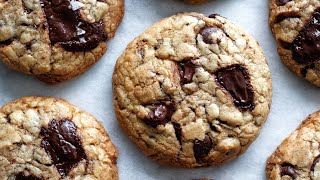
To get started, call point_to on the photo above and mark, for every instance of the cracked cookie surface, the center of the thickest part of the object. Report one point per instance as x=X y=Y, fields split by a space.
x=298 y=156
x=296 y=27
x=48 y=138
x=192 y=90
x=56 y=40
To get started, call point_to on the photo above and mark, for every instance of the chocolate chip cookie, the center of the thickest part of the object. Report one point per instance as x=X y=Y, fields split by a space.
x=48 y=138
x=192 y=90
x=56 y=40
x=296 y=27
x=298 y=156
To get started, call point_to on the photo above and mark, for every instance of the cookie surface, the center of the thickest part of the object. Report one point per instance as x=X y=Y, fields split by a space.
x=192 y=91
x=298 y=156
x=56 y=40
x=296 y=26
x=48 y=138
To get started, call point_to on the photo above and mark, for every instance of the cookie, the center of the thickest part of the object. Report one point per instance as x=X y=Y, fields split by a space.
x=56 y=40
x=298 y=156
x=48 y=138
x=195 y=1
x=192 y=90
x=296 y=25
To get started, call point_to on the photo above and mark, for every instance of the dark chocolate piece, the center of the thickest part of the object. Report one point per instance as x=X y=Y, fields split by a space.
x=6 y=42
x=22 y=176
x=61 y=142
x=306 y=46
x=315 y=162
x=202 y=148
x=186 y=71
x=235 y=79
x=206 y=32
x=282 y=2
x=160 y=114
x=67 y=29
x=288 y=170
x=178 y=131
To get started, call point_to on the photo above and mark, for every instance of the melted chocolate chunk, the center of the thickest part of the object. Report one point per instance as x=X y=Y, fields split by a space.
x=315 y=162
x=68 y=29
x=206 y=32
x=61 y=142
x=21 y=176
x=186 y=71
x=160 y=114
x=178 y=131
x=236 y=81
x=288 y=170
x=202 y=148
x=306 y=46
x=282 y=2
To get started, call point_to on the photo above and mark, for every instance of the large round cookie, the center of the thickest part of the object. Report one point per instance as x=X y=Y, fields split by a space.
x=48 y=138
x=296 y=27
x=192 y=90
x=56 y=40
x=298 y=156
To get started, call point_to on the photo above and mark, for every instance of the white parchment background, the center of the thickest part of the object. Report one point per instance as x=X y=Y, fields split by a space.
x=293 y=99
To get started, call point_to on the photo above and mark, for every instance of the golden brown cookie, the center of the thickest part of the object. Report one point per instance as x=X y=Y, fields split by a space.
x=192 y=90
x=48 y=138
x=56 y=40
x=298 y=156
x=296 y=27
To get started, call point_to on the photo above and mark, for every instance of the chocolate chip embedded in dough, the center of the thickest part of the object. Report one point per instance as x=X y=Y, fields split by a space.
x=206 y=32
x=22 y=176
x=178 y=131
x=202 y=148
x=235 y=79
x=288 y=170
x=67 y=29
x=160 y=114
x=186 y=70
x=282 y=2
x=306 y=46
x=62 y=144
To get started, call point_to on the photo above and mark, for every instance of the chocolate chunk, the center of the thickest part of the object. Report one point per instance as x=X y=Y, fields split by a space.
x=285 y=45
x=178 y=131
x=22 y=176
x=186 y=71
x=282 y=2
x=202 y=148
x=160 y=114
x=213 y=15
x=6 y=42
x=206 y=32
x=304 y=70
x=284 y=16
x=315 y=162
x=61 y=142
x=68 y=29
x=235 y=79
x=288 y=170
x=306 y=46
